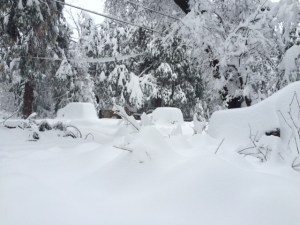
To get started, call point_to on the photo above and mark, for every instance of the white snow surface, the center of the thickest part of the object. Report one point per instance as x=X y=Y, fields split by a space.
x=235 y=126
x=117 y=176
x=78 y=110
x=167 y=115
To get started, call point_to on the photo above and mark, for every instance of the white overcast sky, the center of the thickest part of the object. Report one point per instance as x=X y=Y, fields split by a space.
x=94 y=5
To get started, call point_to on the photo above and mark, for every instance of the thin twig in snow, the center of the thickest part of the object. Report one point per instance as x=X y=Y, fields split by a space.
x=3 y=122
x=148 y=155
x=219 y=145
x=80 y=135
x=244 y=149
x=123 y=148
x=285 y=119
x=295 y=165
x=297 y=145
x=89 y=134
x=125 y=117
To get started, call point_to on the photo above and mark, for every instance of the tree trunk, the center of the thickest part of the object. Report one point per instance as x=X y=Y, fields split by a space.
x=184 y=5
x=157 y=102
x=27 y=100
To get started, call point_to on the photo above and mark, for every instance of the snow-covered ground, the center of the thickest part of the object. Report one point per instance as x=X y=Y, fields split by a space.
x=163 y=174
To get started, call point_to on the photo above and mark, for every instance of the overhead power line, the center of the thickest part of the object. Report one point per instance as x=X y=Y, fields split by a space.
x=107 y=16
x=89 y=60
x=152 y=10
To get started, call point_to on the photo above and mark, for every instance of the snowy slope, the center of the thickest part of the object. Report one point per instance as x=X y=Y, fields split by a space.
x=155 y=179
x=280 y=111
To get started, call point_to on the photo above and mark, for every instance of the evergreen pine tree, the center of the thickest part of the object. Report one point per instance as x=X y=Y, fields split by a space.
x=34 y=29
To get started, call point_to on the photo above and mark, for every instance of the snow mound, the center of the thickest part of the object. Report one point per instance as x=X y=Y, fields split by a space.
x=235 y=124
x=78 y=111
x=167 y=115
x=149 y=145
x=280 y=111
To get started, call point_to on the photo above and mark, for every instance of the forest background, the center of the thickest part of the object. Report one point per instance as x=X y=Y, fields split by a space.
x=201 y=57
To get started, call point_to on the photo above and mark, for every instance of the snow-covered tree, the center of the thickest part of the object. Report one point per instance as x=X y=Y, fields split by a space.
x=287 y=20
x=134 y=11
x=232 y=46
x=76 y=73
x=286 y=15
x=33 y=29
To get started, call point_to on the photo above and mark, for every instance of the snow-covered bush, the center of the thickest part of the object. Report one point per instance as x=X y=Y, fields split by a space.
x=167 y=115
x=78 y=111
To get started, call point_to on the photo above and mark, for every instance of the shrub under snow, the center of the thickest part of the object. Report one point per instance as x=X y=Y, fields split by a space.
x=78 y=111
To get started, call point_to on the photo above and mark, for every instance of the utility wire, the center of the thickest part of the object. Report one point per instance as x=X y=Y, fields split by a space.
x=107 y=16
x=90 y=60
x=152 y=10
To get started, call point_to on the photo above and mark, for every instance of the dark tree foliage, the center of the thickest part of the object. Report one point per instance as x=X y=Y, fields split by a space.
x=184 y=5
x=31 y=29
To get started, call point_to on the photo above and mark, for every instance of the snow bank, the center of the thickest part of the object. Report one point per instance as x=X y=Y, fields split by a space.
x=140 y=176
x=278 y=111
x=234 y=125
x=167 y=115
x=77 y=111
x=168 y=121
x=161 y=180
x=74 y=182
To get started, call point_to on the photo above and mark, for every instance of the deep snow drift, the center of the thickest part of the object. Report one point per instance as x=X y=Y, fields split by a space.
x=75 y=111
x=163 y=174
x=248 y=126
